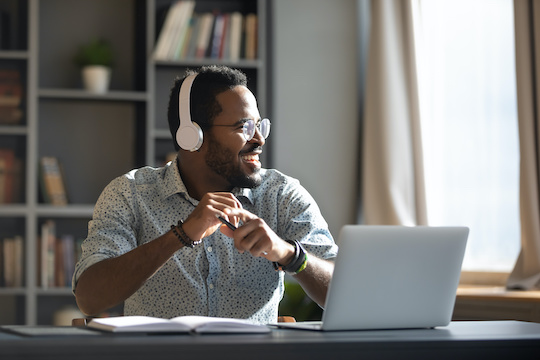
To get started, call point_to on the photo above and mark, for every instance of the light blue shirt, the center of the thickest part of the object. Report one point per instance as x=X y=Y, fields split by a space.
x=212 y=279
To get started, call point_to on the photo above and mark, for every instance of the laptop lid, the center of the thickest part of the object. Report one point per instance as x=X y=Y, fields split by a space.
x=389 y=277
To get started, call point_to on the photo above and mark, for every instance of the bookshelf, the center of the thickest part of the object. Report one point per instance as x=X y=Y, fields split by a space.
x=96 y=137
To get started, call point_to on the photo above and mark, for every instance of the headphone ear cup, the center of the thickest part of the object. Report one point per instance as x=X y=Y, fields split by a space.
x=189 y=137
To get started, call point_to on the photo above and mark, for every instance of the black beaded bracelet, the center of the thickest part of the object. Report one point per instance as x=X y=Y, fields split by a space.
x=184 y=239
x=299 y=261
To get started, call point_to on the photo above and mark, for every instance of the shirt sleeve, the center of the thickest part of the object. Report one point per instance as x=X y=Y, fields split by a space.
x=112 y=230
x=301 y=220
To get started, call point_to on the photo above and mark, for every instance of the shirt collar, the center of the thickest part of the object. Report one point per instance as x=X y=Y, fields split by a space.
x=243 y=192
x=173 y=184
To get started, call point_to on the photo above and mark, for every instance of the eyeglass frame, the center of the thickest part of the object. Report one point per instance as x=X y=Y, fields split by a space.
x=245 y=124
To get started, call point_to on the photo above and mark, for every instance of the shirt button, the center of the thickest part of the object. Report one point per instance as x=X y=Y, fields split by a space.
x=209 y=249
x=211 y=286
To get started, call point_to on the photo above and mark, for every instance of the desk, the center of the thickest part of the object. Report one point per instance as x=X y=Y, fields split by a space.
x=460 y=340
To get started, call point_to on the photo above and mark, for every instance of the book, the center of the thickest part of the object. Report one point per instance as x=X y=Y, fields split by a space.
x=219 y=26
x=12 y=260
x=251 y=37
x=235 y=36
x=9 y=176
x=204 y=35
x=188 y=40
x=8 y=252
x=180 y=324
x=3 y=179
x=58 y=278
x=11 y=93
x=65 y=260
x=18 y=261
x=224 y=44
x=47 y=254
x=52 y=181
x=193 y=37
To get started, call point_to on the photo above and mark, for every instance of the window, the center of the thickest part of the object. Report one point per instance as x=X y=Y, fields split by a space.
x=466 y=69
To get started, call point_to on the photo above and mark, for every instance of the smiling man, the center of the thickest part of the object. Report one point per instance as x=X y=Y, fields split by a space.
x=212 y=232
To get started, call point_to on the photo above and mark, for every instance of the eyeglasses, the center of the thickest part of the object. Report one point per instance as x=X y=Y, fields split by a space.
x=248 y=128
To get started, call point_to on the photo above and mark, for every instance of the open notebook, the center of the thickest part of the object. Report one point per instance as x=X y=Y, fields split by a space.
x=392 y=277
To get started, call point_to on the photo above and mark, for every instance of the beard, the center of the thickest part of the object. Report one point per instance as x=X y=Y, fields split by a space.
x=226 y=164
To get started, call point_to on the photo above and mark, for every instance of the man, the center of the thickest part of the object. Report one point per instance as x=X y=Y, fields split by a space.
x=154 y=244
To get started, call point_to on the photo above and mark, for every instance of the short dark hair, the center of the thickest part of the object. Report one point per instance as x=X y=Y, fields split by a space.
x=210 y=82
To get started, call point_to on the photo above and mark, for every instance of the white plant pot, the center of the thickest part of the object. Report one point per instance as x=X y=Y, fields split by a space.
x=96 y=78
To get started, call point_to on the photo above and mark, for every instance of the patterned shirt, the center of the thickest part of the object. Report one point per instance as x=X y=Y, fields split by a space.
x=212 y=279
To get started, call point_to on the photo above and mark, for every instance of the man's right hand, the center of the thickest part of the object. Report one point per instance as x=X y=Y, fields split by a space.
x=203 y=221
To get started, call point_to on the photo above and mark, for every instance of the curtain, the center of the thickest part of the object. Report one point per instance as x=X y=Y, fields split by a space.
x=526 y=273
x=392 y=186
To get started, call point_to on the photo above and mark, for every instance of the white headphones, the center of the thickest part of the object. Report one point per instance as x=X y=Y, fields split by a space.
x=189 y=135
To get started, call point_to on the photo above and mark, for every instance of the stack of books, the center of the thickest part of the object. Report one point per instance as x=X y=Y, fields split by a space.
x=222 y=36
x=57 y=256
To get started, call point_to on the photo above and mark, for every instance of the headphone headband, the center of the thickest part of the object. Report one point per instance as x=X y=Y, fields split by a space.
x=189 y=135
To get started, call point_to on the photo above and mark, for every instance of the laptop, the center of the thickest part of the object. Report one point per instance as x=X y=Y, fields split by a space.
x=392 y=277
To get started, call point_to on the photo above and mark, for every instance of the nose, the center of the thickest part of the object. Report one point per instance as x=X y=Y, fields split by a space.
x=257 y=137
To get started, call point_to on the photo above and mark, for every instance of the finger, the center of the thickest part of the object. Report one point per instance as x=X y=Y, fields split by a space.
x=243 y=215
x=259 y=247
x=226 y=231
x=223 y=202
x=227 y=199
x=253 y=237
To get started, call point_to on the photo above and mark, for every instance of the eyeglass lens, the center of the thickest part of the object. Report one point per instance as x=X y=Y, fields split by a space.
x=249 y=128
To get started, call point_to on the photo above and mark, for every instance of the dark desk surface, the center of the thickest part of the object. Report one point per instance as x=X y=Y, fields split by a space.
x=460 y=340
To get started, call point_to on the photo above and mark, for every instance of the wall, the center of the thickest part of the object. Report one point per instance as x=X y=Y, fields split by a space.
x=315 y=109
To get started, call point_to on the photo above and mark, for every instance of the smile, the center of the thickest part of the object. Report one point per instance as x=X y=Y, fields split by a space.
x=250 y=158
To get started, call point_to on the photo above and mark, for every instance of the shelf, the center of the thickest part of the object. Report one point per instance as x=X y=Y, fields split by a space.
x=13 y=130
x=96 y=137
x=54 y=291
x=163 y=134
x=244 y=64
x=11 y=291
x=13 y=210
x=76 y=94
x=69 y=211
x=13 y=55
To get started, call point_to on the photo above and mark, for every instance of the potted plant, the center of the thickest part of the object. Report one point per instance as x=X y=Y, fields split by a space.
x=95 y=60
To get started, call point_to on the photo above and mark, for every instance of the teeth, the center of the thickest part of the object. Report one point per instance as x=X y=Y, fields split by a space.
x=250 y=157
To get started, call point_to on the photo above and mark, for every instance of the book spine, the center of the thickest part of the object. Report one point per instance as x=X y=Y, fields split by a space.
x=251 y=37
x=216 y=39
x=18 y=263
x=50 y=245
x=11 y=92
x=11 y=262
x=54 y=189
x=9 y=253
x=235 y=38
x=7 y=176
x=204 y=35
